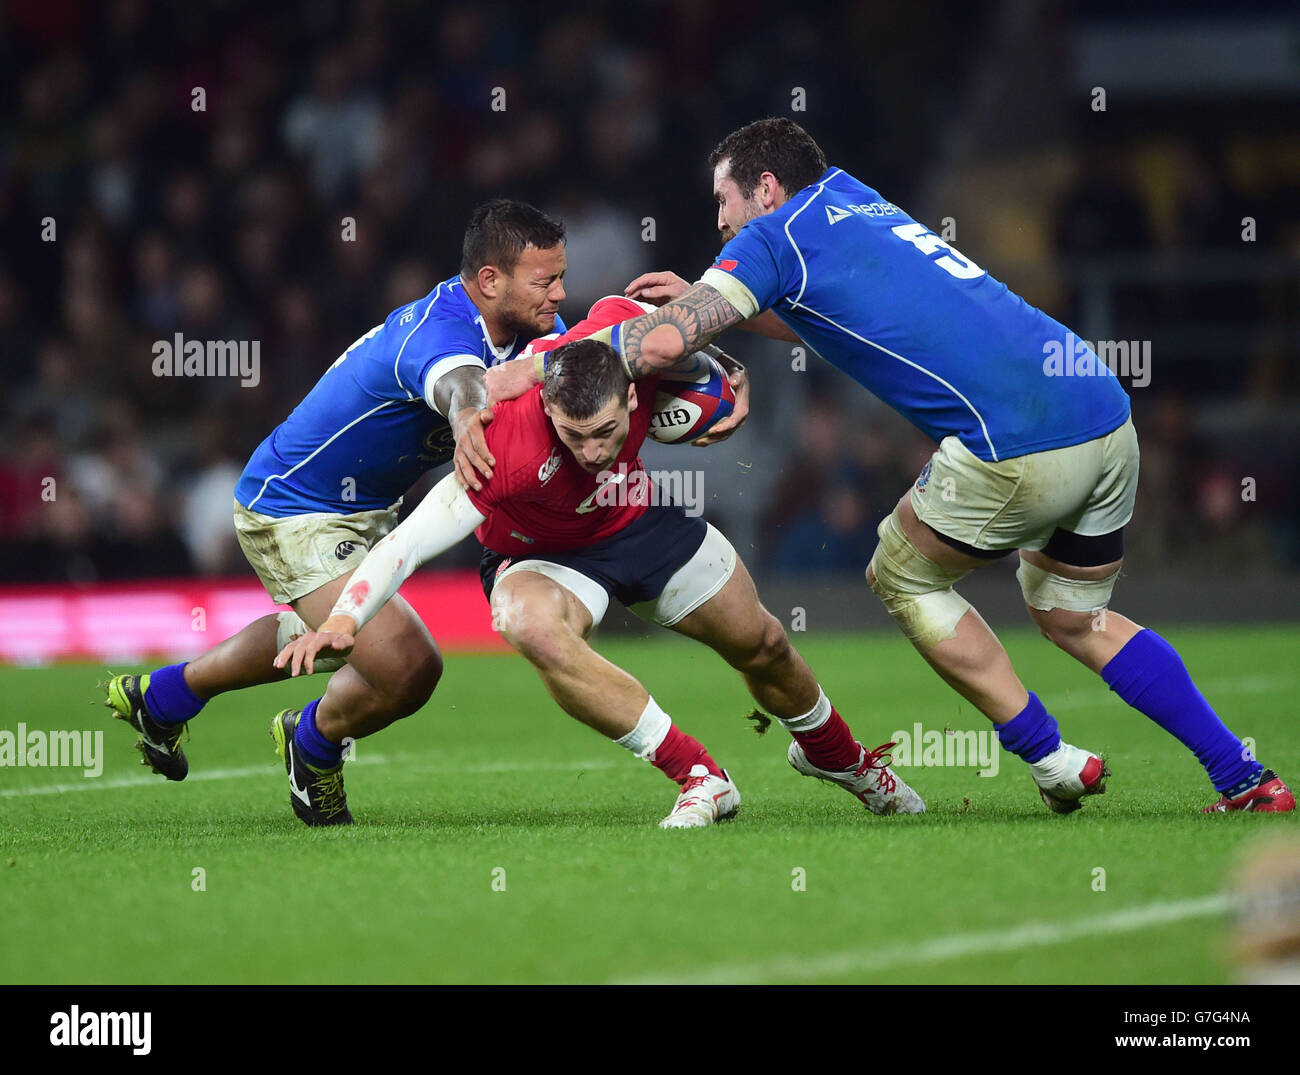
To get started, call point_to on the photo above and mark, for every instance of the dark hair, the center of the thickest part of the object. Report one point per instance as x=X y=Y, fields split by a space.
x=500 y=230
x=777 y=145
x=582 y=377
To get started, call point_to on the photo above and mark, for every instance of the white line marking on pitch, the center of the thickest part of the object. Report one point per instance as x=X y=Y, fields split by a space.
x=862 y=961
x=94 y=784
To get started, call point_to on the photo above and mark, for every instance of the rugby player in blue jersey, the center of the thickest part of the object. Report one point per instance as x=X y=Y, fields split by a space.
x=326 y=485
x=1027 y=460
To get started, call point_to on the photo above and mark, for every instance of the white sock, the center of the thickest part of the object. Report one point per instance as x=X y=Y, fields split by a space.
x=650 y=732
x=813 y=719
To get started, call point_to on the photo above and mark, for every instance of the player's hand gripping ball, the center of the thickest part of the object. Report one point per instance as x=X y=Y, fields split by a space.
x=688 y=405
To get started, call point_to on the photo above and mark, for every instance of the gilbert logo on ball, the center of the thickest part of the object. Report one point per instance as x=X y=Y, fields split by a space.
x=687 y=405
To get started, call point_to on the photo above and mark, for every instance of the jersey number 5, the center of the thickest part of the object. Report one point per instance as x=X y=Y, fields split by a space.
x=927 y=242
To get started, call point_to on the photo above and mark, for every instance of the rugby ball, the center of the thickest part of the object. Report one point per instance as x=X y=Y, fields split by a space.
x=688 y=405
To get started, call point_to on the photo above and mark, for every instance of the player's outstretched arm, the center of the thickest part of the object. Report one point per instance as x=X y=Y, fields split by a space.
x=462 y=396
x=667 y=338
x=769 y=325
x=664 y=339
x=443 y=518
x=661 y=287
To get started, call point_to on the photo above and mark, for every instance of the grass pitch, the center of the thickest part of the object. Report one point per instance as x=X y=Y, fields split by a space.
x=499 y=841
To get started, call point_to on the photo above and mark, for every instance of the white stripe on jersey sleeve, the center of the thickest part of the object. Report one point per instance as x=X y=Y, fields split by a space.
x=732 y=290
x=397 y=361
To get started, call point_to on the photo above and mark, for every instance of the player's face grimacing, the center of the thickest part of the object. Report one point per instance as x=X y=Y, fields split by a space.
x=596 y=441
x=533 y=292
x=734 y=210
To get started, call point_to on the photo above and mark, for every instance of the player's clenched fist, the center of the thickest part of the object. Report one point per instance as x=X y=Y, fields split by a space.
x=336 y=634
x=509 y=380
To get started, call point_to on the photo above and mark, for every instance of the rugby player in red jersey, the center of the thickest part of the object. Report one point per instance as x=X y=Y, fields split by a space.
x=568 y=521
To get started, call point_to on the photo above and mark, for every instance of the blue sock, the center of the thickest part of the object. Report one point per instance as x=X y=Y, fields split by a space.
x=318 y=751
x=1150 y=676
x=1032 y=733
x=169 y=697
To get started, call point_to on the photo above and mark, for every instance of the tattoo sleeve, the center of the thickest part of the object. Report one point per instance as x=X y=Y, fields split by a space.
x=461 y=388
x=699 y=315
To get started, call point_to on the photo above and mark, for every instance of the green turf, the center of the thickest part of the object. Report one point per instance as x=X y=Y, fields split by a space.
x=97 y=883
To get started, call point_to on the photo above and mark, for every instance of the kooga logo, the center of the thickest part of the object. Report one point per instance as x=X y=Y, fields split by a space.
x=76 y=1027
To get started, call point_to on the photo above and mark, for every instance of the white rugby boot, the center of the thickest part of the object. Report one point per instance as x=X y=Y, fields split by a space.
x=1066 y=775
x=872 y=782
x=704 y=799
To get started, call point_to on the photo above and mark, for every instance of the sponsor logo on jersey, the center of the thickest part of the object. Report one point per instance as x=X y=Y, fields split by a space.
x=344 y=549
x=520 y=537
x=834 y=214
x=726 y=265
x=548 y=469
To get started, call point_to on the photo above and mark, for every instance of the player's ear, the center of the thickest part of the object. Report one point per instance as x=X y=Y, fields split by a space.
x=771 y=194
x=631 y=396
x=489 y=281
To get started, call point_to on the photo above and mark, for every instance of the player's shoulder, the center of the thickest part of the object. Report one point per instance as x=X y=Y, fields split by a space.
x=519 y=437
x=445 y=311
x=519 y=428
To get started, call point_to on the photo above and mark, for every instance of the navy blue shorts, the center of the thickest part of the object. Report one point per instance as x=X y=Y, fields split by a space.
x=634 y=565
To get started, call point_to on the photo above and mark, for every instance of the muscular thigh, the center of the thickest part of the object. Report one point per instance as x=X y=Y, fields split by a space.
x=733 y=620
x=395 y=640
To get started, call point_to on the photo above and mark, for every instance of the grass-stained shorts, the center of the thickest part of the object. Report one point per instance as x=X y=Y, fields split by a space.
x=1019 y=503
x=297 y=554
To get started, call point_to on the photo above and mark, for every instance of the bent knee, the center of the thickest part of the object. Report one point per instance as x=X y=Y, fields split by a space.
x=1065 y=629
x=546 y=643
x=766 y=648
x=415 y=683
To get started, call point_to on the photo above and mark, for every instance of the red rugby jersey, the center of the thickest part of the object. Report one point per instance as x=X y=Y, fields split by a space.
x=539 y=499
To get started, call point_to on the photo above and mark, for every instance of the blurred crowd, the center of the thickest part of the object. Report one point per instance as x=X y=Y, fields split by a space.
x=289 y=173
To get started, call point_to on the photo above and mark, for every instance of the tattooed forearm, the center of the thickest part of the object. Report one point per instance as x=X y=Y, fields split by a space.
x=700 y=315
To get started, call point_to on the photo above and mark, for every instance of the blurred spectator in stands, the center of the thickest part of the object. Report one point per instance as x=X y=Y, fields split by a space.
x=17 y=334
x=63 y=392
x=807 y=470
x=116 y=464
x=335 y=126
x=32 y=458
x=836 y=535
x=156 y=303
x=207 y=494
x=1102 y=213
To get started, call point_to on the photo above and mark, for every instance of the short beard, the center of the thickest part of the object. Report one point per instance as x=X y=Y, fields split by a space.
x=522 y=325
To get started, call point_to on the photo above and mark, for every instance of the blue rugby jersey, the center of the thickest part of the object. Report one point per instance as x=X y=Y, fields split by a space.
x=917 y=323
x=368 y=429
